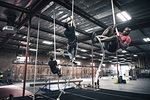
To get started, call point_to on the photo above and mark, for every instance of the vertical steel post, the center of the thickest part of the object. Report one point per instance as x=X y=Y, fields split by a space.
x=92 y=67
x=26 y=60
x=117 y=65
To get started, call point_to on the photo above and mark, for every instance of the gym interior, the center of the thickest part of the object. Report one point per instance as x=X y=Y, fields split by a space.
x=43 y=59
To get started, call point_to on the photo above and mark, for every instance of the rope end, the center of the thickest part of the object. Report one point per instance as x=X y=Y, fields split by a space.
x=58 y=99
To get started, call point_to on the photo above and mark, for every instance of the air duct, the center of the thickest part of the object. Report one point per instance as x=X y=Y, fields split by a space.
x=9 y=28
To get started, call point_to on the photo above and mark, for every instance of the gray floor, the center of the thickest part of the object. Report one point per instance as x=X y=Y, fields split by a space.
x=136 y=86
x=141 y=85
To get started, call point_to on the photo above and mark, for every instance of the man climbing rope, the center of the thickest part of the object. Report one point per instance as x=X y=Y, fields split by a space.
x=112 y=41
x=53 y=63
x=72 y=40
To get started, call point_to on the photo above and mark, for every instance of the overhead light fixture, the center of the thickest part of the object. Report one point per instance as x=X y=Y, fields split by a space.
x=83 y=50
x=77 y=33
x=91 y=55
x=45 y=8
x=115 y=57
x=101 y=54
x=121 y=17
x=124 y=51
x=10 y=27
x=22 y=27
x=83 y=57
x=47 y=42
x=22 y=47
x=24 y=37
x=32 y=49
x=135 y=55
x=104 y=65
x=78 y=63
x=112 y=65
x=93 y=64
x=77 y=55
x=21 y=58
x=146 y=39
x=58 y=61
x=25 y=43
x=124 y=16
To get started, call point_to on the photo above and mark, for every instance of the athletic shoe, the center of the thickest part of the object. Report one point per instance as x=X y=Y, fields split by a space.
x=59 y=75
x=74 y=63
x=94 y=39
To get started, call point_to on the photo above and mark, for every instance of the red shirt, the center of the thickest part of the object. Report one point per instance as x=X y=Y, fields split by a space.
x=125 y=39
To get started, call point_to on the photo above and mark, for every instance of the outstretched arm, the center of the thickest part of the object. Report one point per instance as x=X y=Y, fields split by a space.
x=73 y=22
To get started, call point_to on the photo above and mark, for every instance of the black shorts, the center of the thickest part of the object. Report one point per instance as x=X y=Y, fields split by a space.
x=55 y=70
x=111 y=46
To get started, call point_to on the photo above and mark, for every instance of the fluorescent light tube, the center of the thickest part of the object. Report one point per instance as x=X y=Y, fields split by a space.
x=83 y=50
x=47 y=42
x=32 y=49
x=126 y=15
x=121 y=17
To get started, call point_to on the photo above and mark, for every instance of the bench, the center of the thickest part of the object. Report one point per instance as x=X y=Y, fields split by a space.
x=61 y=82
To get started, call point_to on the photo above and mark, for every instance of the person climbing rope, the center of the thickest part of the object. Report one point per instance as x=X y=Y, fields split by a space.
x=53 y=63
x=112 y=42
x=72 y=40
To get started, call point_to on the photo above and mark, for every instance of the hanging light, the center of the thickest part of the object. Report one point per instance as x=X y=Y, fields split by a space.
x=124 y=16
x=47 y=42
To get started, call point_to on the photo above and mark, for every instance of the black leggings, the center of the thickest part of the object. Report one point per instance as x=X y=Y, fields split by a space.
x=111 y=46
x=73 y=47
x=55 y=70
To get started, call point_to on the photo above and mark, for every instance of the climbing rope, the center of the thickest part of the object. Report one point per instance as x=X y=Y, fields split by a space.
x=72 y=11
x=114 y=19
x=54 y=15
x=114 y=22
x=72 y=8
x=103 y=52
x=54 y=36
x=67 y=84
x=62 y=91
x=36 y=57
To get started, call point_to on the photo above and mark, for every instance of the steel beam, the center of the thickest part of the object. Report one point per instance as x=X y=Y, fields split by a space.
x=81 y=13
x=11 y=6
x=39 y=5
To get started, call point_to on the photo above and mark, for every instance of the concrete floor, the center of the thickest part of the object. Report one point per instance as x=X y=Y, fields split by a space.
x=137 y=86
